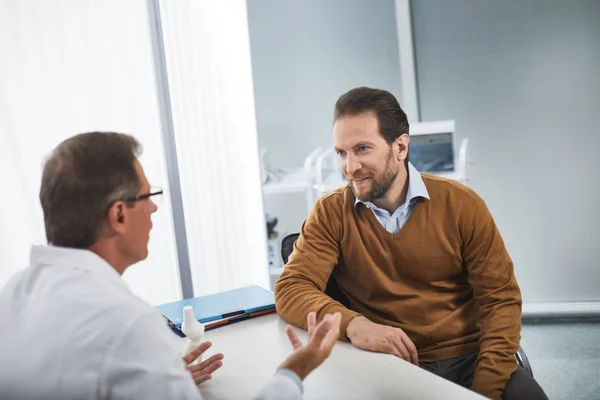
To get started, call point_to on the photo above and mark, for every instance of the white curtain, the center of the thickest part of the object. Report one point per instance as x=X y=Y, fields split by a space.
x=68 y=67
x=209 y=73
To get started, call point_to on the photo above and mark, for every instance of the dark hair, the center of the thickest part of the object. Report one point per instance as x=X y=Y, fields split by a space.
x=392 y=119
x=83 y=176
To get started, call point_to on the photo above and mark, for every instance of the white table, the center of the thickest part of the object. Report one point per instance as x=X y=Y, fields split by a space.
x=254 y=349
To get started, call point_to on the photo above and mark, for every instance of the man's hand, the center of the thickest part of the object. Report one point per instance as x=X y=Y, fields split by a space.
x=367 y=335
x=202 y=372
x=321 y=339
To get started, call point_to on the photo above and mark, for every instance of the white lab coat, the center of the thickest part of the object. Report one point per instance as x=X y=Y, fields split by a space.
x=72 y=329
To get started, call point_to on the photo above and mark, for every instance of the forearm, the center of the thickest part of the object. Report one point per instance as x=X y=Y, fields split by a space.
x=500 y=335
x=296 y=296
x=301 y=287
x=491 y=275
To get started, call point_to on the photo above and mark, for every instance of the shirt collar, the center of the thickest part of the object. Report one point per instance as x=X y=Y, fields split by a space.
x=416 y=188
x=81 y=259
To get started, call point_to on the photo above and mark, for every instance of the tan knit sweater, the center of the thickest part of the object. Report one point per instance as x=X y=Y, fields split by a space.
x=445 y=278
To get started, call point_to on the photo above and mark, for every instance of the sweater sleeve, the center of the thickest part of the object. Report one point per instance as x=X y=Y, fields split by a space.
x=301 y=287
x=494 y=285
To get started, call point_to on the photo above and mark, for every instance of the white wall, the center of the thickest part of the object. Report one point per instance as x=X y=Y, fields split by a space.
x=305 y=54
x=521 y=78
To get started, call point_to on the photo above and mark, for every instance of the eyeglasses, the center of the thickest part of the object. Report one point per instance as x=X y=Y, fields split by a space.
x=154 y=191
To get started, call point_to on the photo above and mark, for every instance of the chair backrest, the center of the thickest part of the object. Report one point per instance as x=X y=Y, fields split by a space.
x=287 y=246
x=333 y=290
x=523 y=360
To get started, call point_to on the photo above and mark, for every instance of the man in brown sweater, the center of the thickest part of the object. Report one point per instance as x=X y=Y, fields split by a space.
x=436 y=289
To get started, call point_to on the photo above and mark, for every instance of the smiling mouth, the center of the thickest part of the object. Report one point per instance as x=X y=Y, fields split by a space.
x=359 y=181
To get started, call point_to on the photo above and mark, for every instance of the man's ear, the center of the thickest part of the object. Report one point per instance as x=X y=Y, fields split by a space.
x=401 y=146
x=116 y=217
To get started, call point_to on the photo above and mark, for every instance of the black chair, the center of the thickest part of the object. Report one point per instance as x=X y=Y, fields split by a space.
x=333 y=291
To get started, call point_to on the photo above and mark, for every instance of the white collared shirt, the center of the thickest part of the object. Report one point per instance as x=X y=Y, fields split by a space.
x=394 y=222
x=72 y=329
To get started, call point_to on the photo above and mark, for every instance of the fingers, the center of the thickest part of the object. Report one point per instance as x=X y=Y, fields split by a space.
x=207 y=364
x=412 y=350
x=291 y=333
x=320 y=332
x=312 y=318
x=203 y=371
x=311 y=322
x=401 y=350
x=405 y=347
x=197 y=352
x=201 y=379
x=212 y=367
x=334 y=333
x=390 y=348
x=328 y=329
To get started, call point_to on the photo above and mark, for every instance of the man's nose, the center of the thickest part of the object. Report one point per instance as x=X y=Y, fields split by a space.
x=352 y=165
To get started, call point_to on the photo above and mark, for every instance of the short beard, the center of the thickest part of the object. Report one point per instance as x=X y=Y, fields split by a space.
x=384 y=184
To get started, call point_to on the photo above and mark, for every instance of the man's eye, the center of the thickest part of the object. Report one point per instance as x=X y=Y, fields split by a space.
x=341 y=153
x=363 y=148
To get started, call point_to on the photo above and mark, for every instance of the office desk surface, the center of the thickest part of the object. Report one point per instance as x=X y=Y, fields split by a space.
x=254 y=349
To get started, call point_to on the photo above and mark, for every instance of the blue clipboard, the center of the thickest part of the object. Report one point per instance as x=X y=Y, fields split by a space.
x=232 y=304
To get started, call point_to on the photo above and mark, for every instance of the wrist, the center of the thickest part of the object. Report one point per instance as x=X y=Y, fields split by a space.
x=351 y=328
x=298 y=363
x=299 y=370
x=293 y=376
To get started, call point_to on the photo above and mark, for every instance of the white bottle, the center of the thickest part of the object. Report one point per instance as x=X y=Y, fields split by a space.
x=194 y=331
